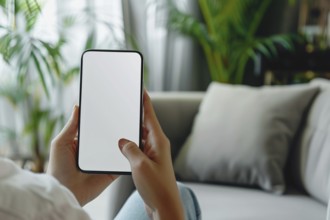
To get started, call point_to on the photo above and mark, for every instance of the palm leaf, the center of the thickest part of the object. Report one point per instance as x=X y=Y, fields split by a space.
x=40 y=72
x=49 y=129
x=13 y=93
x=44 y=64
x=31 y=10
x=5 y=41
x=188 y=25
x=3 y=3
x=90 y=41
x=70 y=74
x=229 y=11
x=69 y=21
x=54 y=56
x=228 y=35
x=257 y=18
x=238 y=77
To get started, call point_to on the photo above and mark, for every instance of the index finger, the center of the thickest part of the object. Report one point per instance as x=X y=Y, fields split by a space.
x=150 y=118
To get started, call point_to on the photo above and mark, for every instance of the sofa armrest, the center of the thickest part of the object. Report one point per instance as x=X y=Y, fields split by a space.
x=175 y=112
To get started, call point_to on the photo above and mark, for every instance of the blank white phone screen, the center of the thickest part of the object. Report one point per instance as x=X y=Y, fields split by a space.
x=110 y=108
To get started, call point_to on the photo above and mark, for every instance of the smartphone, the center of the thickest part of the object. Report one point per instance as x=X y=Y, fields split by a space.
x=110 y=108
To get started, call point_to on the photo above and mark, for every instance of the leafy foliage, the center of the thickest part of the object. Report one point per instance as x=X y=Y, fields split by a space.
x=31 y=11
x=34 y=62
x=39 y=66
x=227 y=35
x=24 y=52
x=42 y=121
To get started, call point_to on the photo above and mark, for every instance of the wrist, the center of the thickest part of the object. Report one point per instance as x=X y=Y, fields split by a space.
x=69 y=186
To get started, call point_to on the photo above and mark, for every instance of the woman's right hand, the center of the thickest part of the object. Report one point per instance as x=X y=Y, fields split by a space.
x=152 y=168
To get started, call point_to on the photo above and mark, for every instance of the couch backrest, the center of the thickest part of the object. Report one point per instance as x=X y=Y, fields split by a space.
x=176 y=112
x=314 y=146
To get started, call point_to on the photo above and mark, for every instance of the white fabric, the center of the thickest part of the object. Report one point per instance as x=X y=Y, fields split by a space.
x=314 y=145
x=237 y=203
x=25 y=195
x=328 y=215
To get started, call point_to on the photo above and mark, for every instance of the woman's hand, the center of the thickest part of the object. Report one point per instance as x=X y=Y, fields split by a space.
x=63 y=165
x=152 y=169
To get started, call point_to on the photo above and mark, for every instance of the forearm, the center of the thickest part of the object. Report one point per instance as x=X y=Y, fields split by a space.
x=169 y=208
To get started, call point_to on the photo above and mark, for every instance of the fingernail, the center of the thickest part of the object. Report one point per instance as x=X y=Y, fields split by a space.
x=122 y=142
x=75 y=107
x=73 y=111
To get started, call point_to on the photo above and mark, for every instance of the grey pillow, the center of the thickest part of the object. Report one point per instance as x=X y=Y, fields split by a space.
x=242 y=135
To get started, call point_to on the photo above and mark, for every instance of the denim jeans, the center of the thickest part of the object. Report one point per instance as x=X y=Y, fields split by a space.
x=134 y=206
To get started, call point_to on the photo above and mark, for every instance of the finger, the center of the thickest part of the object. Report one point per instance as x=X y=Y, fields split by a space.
x=75 y=141
x=150 y=118
x=144 y=132
x=70 y=129
x=131 y=151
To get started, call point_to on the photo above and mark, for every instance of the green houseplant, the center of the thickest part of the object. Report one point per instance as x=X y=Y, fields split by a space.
x=228 y=35
x=37 y=67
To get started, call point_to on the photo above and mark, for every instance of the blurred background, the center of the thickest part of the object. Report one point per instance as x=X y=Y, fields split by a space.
x=186 y=45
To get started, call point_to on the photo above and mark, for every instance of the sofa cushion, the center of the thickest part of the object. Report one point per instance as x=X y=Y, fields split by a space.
x=235 y=203
x=241 y=135
x=314 y=145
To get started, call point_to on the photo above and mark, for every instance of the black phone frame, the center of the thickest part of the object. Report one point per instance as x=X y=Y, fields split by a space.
x=80 y=94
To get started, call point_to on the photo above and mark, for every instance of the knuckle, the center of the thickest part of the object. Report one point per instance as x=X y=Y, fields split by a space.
x=129 y=147
x=166 y=142
x=54 y=142
x=141 y=164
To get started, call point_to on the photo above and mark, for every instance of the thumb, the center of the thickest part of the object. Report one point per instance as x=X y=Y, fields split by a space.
x=70 y=129
x=131 y=151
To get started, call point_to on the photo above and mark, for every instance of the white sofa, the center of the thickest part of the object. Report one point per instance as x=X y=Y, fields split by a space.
x=307 y=170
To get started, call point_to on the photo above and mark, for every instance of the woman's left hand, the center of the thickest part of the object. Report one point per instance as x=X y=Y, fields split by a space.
x=63 y=165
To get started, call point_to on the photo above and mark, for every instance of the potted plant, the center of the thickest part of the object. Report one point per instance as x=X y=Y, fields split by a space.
x=228 y=35
x=40 y=69
x=37 y=66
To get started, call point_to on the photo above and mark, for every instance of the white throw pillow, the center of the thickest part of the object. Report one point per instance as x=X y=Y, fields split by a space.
x=242 y=135
x=328 y=215
x=314 y=145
